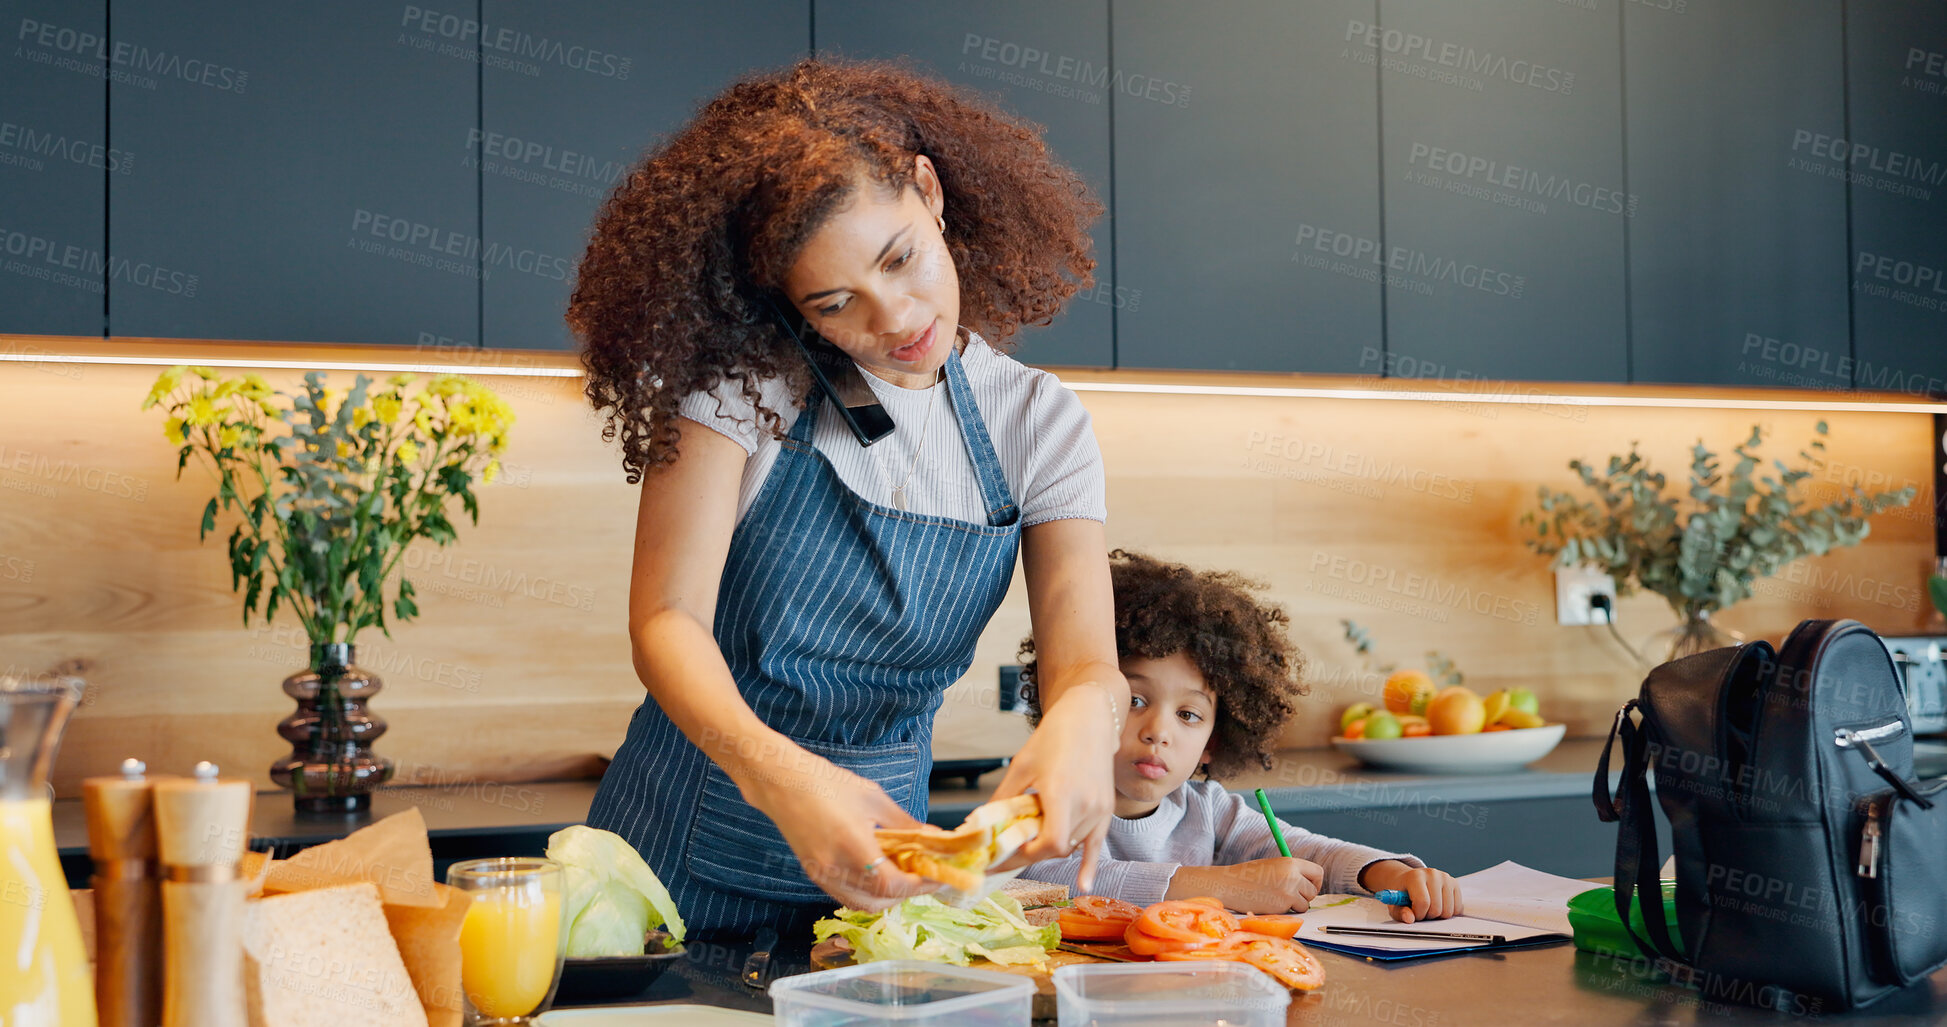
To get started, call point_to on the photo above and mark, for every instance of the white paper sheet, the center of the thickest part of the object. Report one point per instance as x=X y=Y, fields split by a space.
x=1510 y=900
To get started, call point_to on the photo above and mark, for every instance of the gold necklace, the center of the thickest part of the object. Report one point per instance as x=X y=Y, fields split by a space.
x=933 y=402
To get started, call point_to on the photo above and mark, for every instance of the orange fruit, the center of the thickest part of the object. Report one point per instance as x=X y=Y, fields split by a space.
x=1409 y=691
x=1495 y=727
x=1418 y=728
x=1356 y=729
x=1456 y=711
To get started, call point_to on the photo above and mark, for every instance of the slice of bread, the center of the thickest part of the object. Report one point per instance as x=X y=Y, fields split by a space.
x=1031 y=893
x=325 y=958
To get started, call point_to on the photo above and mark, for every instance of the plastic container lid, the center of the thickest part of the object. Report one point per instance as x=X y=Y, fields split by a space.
x=902 y=991
x=1176 y=994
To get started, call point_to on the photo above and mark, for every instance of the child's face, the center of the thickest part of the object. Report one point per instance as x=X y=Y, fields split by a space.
x=1167 y=736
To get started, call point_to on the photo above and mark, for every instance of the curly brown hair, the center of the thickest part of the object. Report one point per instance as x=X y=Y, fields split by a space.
x=1238 y=644
x=674 y=294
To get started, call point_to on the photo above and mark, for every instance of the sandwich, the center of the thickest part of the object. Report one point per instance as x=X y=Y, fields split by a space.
x=959 y=858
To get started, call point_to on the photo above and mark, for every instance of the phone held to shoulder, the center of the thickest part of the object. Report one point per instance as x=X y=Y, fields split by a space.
x=838 y=379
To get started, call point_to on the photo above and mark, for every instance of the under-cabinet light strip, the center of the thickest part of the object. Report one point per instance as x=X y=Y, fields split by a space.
x=301 y=365
x=1505 y=397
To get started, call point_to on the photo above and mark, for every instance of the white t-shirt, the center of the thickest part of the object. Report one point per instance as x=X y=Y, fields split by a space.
x=1040 y=432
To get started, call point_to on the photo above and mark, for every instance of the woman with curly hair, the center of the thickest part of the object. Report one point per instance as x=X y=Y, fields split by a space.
x=800 y=599
x=1212 y=679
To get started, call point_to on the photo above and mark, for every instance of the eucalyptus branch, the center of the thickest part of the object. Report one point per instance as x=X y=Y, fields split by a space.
x=1705 y=553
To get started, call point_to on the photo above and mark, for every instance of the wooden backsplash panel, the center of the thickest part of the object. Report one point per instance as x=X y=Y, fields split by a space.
x=1400 y=515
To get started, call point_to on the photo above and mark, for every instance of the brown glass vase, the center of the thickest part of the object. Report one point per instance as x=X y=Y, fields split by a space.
x=331 y=769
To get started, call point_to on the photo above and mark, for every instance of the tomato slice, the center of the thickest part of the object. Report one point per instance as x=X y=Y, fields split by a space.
x=1102 y=907
x=1277 y=925
x=1143 y=944
x=1086 y=928
x=1290 y=963
x=1185 y=922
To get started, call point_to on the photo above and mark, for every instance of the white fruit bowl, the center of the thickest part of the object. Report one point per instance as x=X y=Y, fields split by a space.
x=1491 y=752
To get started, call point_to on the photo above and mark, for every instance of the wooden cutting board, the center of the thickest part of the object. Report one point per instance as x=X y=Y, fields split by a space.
x=833 y=953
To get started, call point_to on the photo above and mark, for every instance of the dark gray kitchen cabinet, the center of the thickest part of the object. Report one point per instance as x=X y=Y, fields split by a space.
x=1047 y=63
x=573 y=94
x=1504 y=199
x=1896 y=162
x=1247 y=187
x=1737 y=241
x=301 y=171
x=54 y=157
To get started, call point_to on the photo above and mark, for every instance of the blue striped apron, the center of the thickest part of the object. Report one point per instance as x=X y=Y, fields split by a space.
x=843 y=622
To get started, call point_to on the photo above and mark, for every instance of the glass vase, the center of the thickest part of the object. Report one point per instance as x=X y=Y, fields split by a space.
x=1697 y=633
x=331 y=768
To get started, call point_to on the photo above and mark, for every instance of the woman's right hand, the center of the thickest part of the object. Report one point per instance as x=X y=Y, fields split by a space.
x=827 y=814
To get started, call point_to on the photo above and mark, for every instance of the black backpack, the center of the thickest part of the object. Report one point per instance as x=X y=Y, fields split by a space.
x=1811 y=872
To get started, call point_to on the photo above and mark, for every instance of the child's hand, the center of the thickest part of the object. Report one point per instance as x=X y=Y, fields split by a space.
x=1276 y=885
x=1434 y=893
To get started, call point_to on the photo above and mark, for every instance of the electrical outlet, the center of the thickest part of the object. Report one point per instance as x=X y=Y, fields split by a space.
x=1574 y=588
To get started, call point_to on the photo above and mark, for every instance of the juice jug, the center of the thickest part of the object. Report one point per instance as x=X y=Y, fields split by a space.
x=44 y=975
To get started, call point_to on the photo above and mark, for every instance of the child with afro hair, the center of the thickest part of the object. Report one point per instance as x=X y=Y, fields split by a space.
x=1212 y=679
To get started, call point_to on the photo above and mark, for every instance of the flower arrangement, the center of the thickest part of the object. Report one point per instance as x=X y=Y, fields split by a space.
x=1703 y=549
x=327 y=508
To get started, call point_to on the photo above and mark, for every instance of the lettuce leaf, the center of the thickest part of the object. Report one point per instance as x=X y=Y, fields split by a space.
x=923 y=927
x=611 y=896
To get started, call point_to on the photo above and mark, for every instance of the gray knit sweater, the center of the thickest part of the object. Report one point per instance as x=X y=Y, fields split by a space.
x=1201 y=824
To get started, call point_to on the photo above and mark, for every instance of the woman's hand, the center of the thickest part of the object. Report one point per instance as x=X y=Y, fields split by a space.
x=1070 y=762
x=1434 y=894
x=1279 y=884
x=827 y=814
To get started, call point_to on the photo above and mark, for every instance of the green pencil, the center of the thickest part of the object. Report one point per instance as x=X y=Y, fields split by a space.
x=1270 y=818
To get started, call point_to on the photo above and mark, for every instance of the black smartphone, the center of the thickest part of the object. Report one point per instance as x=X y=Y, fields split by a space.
x=838 y=378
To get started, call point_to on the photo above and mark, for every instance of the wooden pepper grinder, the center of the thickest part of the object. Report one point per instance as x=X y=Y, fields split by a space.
x=201 y=827
x=128 y=904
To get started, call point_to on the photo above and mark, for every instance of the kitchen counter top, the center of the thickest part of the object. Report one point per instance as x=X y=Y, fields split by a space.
x=1300 y=780
x=1558 y=984
x=1326 y=780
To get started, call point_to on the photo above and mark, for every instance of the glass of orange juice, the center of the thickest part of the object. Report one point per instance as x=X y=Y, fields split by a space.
x=512 y=940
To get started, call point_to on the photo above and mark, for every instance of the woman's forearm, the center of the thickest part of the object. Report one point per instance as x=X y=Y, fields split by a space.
x=1088 y=676
x=679 y=663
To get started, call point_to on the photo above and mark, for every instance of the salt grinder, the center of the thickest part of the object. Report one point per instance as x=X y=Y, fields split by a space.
x=128 y=904
x=202 y=824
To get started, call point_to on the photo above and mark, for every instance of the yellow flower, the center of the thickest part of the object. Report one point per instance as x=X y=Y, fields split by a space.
x=403 y=379
x=172 y=429
x=447 y=385
x=254 y=386
x=202 y=410
x=204 y=373
x=225 y=389
x=229 y=436
x=466 y=416
x=344 y=450
x=491 y=472
x=165 y=383
x=387 y=406
x=497 y=443
x=361 y=417
x=326 y=397
x=422 y=422
x=269 y=408
x=408 y=452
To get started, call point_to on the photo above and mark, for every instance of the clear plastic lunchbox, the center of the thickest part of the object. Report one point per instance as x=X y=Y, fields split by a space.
x=1192 y=993
x=903 y=993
